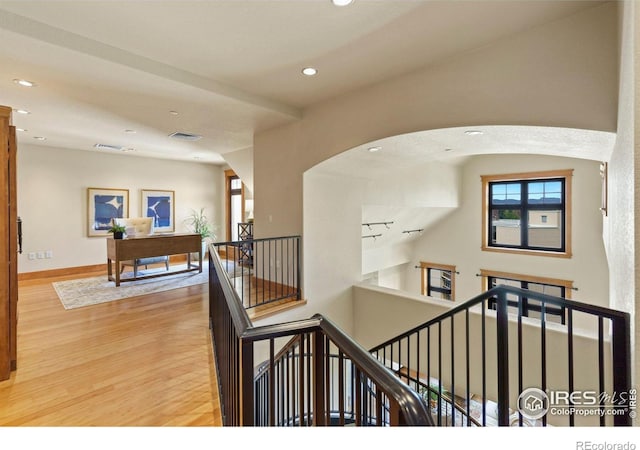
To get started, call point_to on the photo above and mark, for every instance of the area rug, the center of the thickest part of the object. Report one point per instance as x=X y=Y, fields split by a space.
x=95 y=290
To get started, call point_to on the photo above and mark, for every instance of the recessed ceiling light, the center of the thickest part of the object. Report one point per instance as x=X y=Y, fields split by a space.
x=197 y=157
x=342 y=2
x=473 y=132
x=374 y=149
x=130 y=131
x=309 y=71
x=173 y=113
x=128 y=149
x=21 y=129
x=40 y=138
x=25 y=83
x=22 y=111
x=107 y=147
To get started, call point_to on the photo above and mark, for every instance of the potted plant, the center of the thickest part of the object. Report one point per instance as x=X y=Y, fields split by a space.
x=117 y=230
x=199 y=223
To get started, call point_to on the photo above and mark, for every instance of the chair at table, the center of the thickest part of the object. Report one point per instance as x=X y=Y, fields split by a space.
x=139 y=227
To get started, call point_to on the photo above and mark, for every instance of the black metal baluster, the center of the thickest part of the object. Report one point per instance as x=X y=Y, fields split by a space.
x=327 y=381
x=468 y=363
x=502 y=322
x=417 y=383
x=543 y=352
x=439 y=374
x=520 y=359
x=408 y=360
x=483 y=341
x=453 y=375
x=601 y=368
x=341 y=388
x=309 y=382
x=272 y=384
x=429 y=369
x=570 y=361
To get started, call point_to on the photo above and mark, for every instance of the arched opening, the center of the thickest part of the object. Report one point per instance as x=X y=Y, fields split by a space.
x=374 y=212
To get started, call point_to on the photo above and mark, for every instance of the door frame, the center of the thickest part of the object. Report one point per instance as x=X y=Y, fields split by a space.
x=228 y=176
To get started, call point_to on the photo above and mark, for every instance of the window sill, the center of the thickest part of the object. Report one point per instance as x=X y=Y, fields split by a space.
x=521 y=251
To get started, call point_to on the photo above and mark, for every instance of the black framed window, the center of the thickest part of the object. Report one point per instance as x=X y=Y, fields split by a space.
x=528 y=214
x=530 y=307
x=438 y=280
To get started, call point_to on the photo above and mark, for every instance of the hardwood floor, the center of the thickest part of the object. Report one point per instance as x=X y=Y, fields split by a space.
x=143 y=361
x=254 y=295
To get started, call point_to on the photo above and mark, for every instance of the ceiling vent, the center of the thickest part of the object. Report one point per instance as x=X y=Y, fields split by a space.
x=108 y=147
x=185 y=136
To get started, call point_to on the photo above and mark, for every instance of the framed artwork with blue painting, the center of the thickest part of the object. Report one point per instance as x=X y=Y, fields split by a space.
x=160 y=206
x=103 y=205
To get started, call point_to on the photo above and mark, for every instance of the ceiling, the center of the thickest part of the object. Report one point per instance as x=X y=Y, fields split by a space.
x=110 y=72
x=456 y=145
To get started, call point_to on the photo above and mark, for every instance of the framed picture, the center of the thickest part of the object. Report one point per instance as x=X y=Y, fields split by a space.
x=104 y=204
x=159 y=205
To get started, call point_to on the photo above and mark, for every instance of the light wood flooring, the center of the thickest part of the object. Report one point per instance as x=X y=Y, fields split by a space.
x=143 y=361
x=256 y=298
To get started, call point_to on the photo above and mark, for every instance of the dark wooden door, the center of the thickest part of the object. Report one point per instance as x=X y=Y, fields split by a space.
x=8 y=246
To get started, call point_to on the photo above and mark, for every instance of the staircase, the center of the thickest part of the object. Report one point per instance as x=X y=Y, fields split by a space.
x=467 y=367
x=474 y=363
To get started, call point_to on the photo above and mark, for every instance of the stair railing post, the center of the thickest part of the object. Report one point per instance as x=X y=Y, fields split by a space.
x=246 y=383
x=621 y=347
x=502 y=329
x=298 y=269
x=318 y=379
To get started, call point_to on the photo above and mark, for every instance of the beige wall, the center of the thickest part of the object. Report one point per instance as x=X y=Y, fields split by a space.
x=241 y=161
x=52 y=198
x=621 y=226
x=560 y=74
x=456 y=240
x=371 y=306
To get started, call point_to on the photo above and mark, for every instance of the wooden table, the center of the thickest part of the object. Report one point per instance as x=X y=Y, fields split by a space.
x=119 y=250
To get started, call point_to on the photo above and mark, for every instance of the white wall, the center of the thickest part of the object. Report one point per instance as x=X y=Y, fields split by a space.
x=241 y=161
x=334 y=254
x=371 y=306
x=393 y=277
x=52 y=198
x=456 y=240
x=336 y=257
x=620 y=226
x=563 y=74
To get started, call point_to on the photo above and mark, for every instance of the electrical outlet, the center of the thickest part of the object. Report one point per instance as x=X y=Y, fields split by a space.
x=48 y=254
x=40 y=255
x=32 y=255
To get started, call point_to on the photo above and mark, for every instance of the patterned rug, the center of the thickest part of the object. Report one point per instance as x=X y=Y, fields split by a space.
x=95 y=290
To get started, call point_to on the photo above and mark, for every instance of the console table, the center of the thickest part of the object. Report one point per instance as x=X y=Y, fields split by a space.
x=148 y=246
